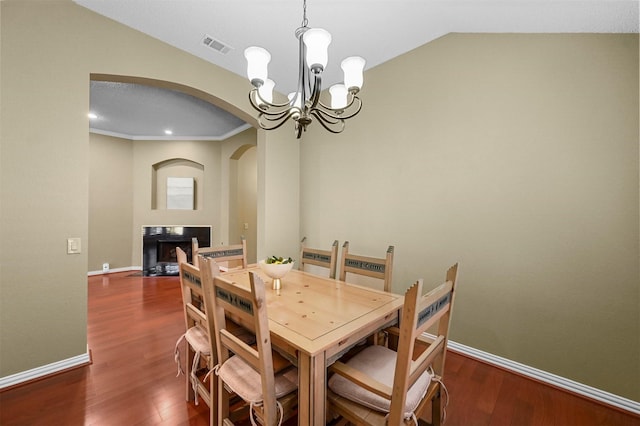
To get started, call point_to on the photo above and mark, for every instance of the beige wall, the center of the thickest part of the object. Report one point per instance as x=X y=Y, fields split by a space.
x=148 y=153
x=212 y=155
x=237 y=152
x=118 y=166
x=45 y=161
x=110 y=202
x=247 y=214
x=517 y=156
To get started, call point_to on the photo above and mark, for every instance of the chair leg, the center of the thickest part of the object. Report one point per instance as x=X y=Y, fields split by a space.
x=213 y=398
x=190 y=355
x=436 y=409
x=223 y=399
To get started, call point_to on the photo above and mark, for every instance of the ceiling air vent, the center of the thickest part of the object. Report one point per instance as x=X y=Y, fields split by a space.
x=216 y=45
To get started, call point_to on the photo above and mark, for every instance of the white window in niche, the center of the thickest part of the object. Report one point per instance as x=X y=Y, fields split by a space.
x=179 y=193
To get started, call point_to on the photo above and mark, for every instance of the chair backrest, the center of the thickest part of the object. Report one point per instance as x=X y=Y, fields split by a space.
x=419 y=314
x=181 y=255
x=374 y=267
x=195 y=311
x=324 y=258
x=237 y=252
x=250 y=307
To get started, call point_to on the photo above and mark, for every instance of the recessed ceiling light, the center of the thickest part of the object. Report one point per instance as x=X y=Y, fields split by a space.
x=92 y=115
x=168 y=132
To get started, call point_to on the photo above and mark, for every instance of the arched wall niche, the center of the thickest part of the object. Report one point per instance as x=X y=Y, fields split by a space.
x=176 y=167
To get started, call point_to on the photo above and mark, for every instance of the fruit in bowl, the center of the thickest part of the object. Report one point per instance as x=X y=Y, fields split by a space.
x=276 y=268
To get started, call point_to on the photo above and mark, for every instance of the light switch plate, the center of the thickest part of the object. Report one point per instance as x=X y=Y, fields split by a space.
x=73 y=246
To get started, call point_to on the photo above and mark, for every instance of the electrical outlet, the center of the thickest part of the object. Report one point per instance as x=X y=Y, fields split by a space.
x=105 y=267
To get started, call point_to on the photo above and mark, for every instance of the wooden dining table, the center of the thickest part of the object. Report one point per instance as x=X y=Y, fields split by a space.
x=314 y=320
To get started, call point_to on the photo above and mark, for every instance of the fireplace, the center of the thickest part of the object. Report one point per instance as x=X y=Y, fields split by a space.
x=159 y=247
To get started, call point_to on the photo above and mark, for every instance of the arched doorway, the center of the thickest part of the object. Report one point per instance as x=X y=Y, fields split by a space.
x=226 y=184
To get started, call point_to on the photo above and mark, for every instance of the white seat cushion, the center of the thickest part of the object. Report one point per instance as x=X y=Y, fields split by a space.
x=378 y=362
x=245 y=381
x=198 y=340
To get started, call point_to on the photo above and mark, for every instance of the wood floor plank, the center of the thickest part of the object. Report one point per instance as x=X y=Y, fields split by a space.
x=134 y=322
x=487 y=392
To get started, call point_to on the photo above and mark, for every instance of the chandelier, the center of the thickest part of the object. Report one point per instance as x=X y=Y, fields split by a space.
x=304 y=104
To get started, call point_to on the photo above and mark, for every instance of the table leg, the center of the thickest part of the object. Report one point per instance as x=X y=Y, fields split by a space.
x=304 y=389
x=312 y=385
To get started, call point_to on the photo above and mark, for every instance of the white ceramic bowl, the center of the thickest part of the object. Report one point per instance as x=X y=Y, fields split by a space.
x=275 y=270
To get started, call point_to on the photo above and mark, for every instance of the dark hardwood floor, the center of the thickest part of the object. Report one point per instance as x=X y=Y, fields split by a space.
x=133 y=324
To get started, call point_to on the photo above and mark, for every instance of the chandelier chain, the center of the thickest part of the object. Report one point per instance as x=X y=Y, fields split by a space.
x=304 y=14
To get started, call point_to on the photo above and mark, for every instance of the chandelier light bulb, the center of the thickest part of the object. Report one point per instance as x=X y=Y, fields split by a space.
x=338 y=96
x=353 y=68
x=316 y=41
x=257 y=61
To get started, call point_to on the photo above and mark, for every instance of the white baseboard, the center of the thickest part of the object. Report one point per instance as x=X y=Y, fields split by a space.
x=114 y=270
x=45 y=370
x=552 y=379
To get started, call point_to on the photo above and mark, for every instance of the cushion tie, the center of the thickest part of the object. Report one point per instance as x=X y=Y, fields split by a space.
x=259 y=404
x=438 y=379
x=198 y=340
x=412 y=417
x=176 y=355
x=194 y=377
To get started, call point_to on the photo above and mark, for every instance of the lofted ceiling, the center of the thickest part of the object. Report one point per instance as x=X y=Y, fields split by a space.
x=377 y=30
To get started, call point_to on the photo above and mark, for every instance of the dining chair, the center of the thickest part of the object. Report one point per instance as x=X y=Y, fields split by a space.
x=221 y=254
x=317 y=257
x=380 y=268
x=393 y=385
x=200 y=349
x=249 y=371
x=181 y=255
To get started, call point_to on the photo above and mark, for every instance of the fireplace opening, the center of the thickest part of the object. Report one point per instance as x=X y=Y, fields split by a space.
x=159 y=247
x=167 y=258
